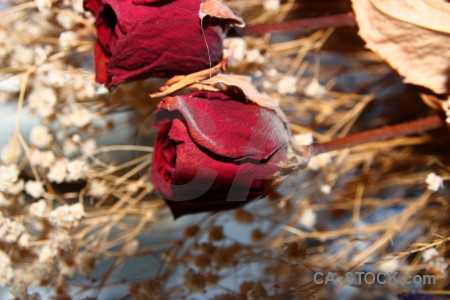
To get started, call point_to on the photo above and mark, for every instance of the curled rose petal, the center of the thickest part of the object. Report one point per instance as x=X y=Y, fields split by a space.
x=217 y=9
x=245 y=86
x=143 y=38
x=214 y=152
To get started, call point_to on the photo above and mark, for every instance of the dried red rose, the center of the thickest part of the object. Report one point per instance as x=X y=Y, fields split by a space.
x=213 y=152
x=152 y=38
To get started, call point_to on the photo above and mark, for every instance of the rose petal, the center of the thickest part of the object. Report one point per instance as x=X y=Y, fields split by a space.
x=217 y=9
x=143 y=39
x=210 y=132
x=237 y=134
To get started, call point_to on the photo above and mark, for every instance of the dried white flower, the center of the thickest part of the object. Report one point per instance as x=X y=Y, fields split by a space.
x=43 y=101
x=14 y=188
x=11 y=152
x=58 y=171
x=9 y=173
x=272 y=6
x=89 y=146
x=52 y=74
x=388 y=264
x=287 y=85
x=65 y=215
x=238 y=46
x=68 y=39
x=132 y=248
x=77 y=6
x=315 y=89
x=434 y=259
x=272 y=72
x=38 y=208
x=34 y=188
x=65 y=21
x=76 y=170
x=43 y=5
x=69 y=147
x=41 y=136
x=22 y=56
x=61 y=239
x=76 y=138
x=4 y=201
x=267 y=84
x=97 y=188
x=41 y=54
x=326 y=189
x=85 y=86
x=303 y=139
x=6 y=270
x=430 y=253
x=254 y=56
x=24 y=240
x=308 y=218
x=320 y=161
x=44 y=159
x=46 y=253
x=10 y=230
x=434 y=181
x=79 y=117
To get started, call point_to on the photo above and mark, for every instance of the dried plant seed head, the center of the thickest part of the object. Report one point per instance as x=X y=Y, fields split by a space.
x=224 y=258
x=191 y=231
x=216 y=234
x=257 y=235
x=85 y=262
x=243 y=216
x=207 y=248
x=131 y=248
x=212 y=279
x=245 y=287
x=147 y=290
x=194 y=281
x=293 y=253
x=257 y=292
x=202 y=261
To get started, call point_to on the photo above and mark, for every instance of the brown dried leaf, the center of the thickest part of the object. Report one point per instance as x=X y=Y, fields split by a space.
x=430 y=14
x=217 y=9
x=412 y=36
x=245 y=86
x=179 y=82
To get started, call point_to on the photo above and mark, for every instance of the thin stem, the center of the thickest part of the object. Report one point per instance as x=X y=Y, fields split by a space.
x=379 y=134
x=339 y=20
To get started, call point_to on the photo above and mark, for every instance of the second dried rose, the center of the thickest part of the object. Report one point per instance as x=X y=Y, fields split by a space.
x=214 y=150
x=148 y=38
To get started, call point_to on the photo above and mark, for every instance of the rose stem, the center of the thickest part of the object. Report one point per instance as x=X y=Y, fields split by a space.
x=346 y=19
x=379 y=134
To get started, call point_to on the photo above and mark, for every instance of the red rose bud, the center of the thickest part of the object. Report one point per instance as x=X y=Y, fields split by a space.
x=213 y=152
x=149 y=38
